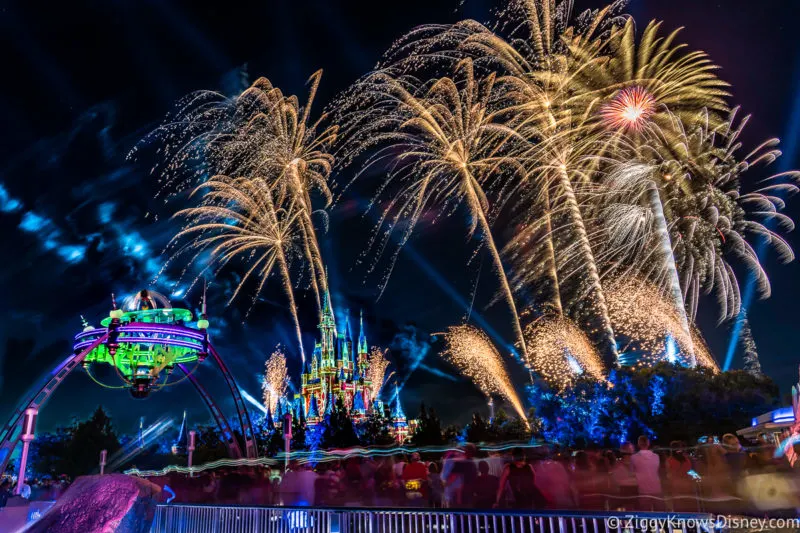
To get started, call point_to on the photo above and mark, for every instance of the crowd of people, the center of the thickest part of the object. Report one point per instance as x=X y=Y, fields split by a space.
x=44 y=489
x=706 y=477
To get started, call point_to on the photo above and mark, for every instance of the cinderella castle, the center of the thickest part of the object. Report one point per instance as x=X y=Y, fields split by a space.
x=339 y=369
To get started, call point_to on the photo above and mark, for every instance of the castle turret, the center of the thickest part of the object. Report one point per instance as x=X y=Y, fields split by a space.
x=298 y=410
x=358 y=404
x=313 y=410
x=328 y=403
x=399 y=421
x=348 y=342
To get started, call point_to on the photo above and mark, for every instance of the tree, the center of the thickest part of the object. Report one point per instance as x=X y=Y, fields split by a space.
x=89 y=438
x=298 y=433
x=477 y=431
x=653 y=402
x=429 y=428
x=375 y=430
x=209 y=445
x=275 y=443
x=337 y=428
x=49 y=450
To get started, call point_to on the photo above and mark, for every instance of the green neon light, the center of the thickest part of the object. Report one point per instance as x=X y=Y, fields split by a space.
x=153 y=316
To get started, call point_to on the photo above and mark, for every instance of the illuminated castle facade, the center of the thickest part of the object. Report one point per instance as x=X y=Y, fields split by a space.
x=339 y=370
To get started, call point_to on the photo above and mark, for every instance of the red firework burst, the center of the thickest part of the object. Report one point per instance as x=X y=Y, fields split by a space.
x=629 y=109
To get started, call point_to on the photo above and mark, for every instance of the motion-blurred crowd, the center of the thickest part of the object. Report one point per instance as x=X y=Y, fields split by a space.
x=718 y=476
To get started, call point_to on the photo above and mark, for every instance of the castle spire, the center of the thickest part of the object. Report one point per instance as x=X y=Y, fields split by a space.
x=358 y=403
x=362 y=337
x=327 y=304
x=329 y=403
x=327 y=328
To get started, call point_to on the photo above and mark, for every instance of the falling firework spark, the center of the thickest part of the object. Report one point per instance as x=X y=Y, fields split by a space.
x=276 y=379
x=444 y=147
x=694 y=190
x=238 y=219
x=259 y=134
x=638 y=183
x=559 y=351
x=471 y=351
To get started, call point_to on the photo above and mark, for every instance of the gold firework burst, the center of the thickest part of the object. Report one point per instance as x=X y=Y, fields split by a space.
x=560 y=351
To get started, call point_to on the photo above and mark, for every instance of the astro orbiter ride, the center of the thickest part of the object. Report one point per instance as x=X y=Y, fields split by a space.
x=144 y=344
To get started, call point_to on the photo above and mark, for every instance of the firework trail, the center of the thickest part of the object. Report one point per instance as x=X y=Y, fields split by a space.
x=570 y=80
x=445 y=148
x=636 y=180
x=559 y=351
x=377 y=364
x=259 y=134
x=238 y=219
x=276 y=378
x=471 y=351
x=699 y=176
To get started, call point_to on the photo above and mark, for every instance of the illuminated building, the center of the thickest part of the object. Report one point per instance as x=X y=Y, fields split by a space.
x=338 y=370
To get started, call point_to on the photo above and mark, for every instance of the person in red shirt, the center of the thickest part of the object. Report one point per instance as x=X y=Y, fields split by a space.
x=415 y=477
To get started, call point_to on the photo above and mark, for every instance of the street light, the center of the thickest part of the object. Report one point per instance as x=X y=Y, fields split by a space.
x=190 y=448
x=28 y=434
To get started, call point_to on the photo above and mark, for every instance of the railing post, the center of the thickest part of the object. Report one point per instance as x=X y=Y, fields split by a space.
x=562 y=524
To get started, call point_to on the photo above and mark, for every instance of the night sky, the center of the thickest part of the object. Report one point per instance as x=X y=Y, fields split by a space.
x=83 y=82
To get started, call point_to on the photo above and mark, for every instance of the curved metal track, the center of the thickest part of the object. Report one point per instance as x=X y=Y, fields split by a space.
x=251 y=449
x=228 y=435
x=10 y=436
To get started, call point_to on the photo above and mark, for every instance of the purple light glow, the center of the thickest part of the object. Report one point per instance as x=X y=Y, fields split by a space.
x=57 y=369
x=171 y=330
x=138 y=327
x=148 y=341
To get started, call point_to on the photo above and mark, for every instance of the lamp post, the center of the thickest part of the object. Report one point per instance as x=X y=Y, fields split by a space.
x=103 y=456
x=28 y=433
x=190 y=448
x=287 y=438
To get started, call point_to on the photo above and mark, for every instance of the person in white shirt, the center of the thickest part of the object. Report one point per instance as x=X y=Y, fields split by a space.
x=645 y=467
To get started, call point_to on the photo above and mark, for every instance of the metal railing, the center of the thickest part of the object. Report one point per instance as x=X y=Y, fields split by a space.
x=235 y=519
